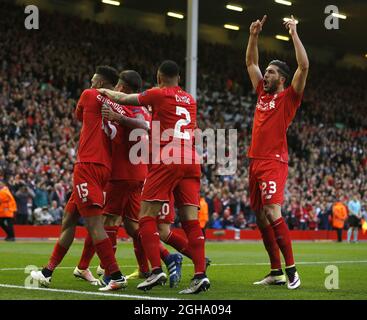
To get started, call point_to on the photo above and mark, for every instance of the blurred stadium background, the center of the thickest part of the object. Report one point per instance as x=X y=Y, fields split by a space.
x=43 y=72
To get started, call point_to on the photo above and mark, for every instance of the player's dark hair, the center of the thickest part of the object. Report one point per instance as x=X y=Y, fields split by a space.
x=108 y=73
x=283 y=69
x=169 y=68
x=132 y=79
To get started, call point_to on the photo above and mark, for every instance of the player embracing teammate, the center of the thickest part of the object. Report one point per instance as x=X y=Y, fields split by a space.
x=178 y=171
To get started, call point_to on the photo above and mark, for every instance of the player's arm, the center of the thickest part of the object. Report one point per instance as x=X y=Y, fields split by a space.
x=120 y=97
x=299 y=79
x=252 y=53
x=81 y=104
x=135 y=123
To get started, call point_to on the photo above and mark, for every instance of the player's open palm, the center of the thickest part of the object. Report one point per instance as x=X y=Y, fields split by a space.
x=291 y=25
x=256 y=26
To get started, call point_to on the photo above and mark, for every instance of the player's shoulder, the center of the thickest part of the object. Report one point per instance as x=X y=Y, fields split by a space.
x=290 y=92
x=154 y=90
x=90 y=92
x=183 y=96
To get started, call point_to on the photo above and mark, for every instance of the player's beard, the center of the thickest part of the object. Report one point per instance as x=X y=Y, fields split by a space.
x=272 y=86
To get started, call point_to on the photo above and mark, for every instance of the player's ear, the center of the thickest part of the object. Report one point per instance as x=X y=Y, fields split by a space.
x=178 y=79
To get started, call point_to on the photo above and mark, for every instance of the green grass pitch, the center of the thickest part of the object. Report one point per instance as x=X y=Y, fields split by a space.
x=234 y=267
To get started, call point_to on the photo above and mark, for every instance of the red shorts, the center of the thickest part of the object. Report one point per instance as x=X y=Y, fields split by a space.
x=123 y=197
x=89 y=182
x=267 y=179
x=167 y=213
x=70 y=207
x=183 y=180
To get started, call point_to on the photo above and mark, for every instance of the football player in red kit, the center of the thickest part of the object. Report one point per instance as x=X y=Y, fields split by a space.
x=91 y=174
x=277 y=104
x=123 y=191
x=175 y=170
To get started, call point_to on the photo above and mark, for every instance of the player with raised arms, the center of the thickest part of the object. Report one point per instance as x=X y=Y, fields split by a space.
x=278 y=101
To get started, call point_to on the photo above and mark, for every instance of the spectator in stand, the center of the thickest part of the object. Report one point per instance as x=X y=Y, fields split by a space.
x=56 y=212
x=41 y=216
x=215 y=221
x=41 y=195
x=22 y=198
x=58 y=195
x=7 y=208
x=240 y=221
x=340 y=214
x=355 y=216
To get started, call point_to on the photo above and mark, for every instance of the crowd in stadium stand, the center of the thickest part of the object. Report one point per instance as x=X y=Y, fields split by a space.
x=42 y=76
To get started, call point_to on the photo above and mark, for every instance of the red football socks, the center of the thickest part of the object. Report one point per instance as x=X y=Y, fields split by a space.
x=179 y=242
x=150 y=240
x=56 y=257
x=271 y=246
x=107 y=256
x=140 y=255
x=112 y=234
x=284 y=241
x=196 y=242
x=89 y=250
x=164 y=253
x=87 y=254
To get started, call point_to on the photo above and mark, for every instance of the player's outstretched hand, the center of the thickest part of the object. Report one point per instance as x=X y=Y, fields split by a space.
x=257 y=26
x=291 y=25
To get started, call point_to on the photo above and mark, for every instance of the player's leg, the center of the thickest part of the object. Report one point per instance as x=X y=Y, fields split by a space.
x=132 y=229
x=355 y=234
x=272 y=179
x=173 y=261
x=190 y=223
x=349 y=234
x=158 y=187
x=275 y=276
x=112 y=221
x=111 y=225
x=150 y=241
x=94 y=223
x=130 y=212
x=69 y=222
x=90 y=180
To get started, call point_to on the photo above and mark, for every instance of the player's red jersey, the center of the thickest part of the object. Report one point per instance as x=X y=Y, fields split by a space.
x=96 y=134
x=122 y=168
x=175 y=110
x=273 y=115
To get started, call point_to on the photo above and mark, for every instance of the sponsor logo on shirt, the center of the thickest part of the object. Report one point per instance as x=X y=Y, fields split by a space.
x=266 y=106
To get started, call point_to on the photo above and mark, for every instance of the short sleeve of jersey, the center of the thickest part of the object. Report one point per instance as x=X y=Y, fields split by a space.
x=259 y=88
x=82 y=103
x=149 y=97
x=294 y=97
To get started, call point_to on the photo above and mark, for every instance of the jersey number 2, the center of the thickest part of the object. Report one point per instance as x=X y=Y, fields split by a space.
x=182 y=122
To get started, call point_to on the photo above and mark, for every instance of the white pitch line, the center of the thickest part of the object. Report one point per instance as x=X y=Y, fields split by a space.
x=297 y=263
x=88 y=293
x=223 y=264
